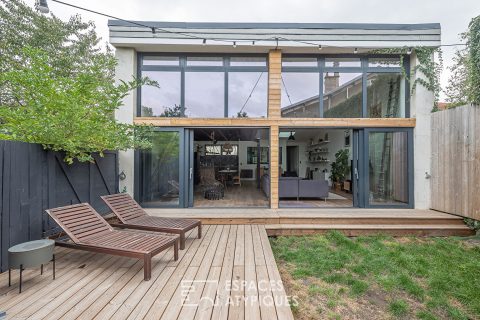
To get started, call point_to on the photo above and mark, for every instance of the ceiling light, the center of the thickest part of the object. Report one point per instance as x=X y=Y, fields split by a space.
x=355 y=50
x=319 y=47
x=291 y=137
x=204 y=42
x=409 y=51
x=234 y=44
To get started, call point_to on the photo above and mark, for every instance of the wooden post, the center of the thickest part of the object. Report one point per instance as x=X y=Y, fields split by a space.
x=274 y=112
x=274 y=83
x=274 y=163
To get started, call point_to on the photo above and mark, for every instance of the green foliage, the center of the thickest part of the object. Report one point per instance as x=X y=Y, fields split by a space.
x=340 y=167
x=172 y=112
x=398 y=308
x=57 y=86
x=464 y=82
x=241 y=114
x=426 y=72
x=473 y=224
x=438 y=274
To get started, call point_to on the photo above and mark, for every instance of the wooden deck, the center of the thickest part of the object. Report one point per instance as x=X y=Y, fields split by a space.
x=228 y=274
x=350 y=221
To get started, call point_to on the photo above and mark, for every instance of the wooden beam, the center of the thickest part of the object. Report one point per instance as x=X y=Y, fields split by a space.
x=281 y=122
x=274 y=164
x=274 y=83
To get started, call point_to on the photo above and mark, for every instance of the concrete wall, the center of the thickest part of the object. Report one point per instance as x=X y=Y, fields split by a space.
x=125 y=70
x=421 y=104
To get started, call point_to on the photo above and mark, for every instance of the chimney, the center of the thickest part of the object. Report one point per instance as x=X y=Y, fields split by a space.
x=332 y=82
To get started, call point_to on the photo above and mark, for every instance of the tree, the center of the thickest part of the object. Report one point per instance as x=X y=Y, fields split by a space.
x=57 y=86
x=172 y=112
x=464 y=83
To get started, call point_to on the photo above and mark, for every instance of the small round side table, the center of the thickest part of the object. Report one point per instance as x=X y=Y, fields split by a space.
x=30 y=254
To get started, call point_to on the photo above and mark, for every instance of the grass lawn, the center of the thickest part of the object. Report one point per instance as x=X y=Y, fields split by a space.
x=335 y=277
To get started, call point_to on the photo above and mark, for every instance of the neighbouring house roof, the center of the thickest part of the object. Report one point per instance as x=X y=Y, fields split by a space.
x=189 y=35
x=314 y=99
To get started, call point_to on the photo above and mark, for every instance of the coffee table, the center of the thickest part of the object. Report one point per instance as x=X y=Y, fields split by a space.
x=30 y=254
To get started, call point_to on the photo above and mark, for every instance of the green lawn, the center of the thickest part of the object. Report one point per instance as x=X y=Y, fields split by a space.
x=335 y=277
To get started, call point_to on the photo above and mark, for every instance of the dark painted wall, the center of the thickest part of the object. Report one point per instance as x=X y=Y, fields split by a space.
x=32 y=180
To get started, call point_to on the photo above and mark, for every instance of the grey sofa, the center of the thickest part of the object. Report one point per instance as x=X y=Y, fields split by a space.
x=294 y=187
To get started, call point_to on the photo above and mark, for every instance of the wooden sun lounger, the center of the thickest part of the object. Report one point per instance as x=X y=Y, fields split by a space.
x=89 y=231
x=132 y=216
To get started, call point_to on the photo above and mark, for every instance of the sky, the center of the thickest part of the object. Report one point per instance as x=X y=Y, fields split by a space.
x=453 y=16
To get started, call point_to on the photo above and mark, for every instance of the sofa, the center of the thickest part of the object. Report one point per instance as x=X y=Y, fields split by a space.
x=295 y=187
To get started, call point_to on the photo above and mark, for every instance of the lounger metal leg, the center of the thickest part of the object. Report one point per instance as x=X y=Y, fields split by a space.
x=20 y=286
x=9 y=277
x=175 y=250
x=182 y=241
x=53 y=261
x=41 y=269
x=199 y=231
x=147 y=267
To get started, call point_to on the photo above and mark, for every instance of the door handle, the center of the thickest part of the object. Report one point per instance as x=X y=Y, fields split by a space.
x=191 y=173
x=356 y=173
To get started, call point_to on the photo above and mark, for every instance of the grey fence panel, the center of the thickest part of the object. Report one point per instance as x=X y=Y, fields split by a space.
x=32 y=180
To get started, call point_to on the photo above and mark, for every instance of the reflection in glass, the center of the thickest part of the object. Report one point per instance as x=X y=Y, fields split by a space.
x=300 y=95
x=160 y=61
x=388 y=169
x=299 y=62
x=384 y=62
x=160 y=171
x=205 y=61
x=385 y=95
x=248 y=62
x=342 y=95
x=247 y=94
x=163 y=101
x=204 y=94
x=343 y=62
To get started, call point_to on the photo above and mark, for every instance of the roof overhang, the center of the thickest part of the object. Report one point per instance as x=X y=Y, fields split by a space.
x=289 y=37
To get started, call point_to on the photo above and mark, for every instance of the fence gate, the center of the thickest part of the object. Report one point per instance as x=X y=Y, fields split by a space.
x=32 y=180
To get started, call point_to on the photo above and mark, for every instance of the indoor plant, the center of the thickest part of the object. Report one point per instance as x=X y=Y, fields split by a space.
x=340 y=168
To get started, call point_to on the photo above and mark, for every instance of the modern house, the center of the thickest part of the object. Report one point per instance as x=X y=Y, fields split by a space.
x=255 y=114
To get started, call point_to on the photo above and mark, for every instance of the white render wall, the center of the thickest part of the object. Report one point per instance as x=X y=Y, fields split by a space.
x=421 y=105
x=125 y=70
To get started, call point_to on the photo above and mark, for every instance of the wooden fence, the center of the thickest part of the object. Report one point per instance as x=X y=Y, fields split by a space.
x=32 y=180
x=455 y=180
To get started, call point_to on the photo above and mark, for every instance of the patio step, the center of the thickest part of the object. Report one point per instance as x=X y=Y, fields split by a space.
x=353 y=230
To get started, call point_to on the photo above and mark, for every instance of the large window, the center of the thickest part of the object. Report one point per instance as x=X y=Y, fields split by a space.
x=385 y=95
x=343 y=87
x=388 y=168
x=300 y=95
x=252 y=155
x=204 y=86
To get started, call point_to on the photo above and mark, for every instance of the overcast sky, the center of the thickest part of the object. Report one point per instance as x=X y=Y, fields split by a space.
x=453 y=16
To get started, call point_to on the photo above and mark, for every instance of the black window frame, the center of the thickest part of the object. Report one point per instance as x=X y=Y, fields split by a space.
x=364 y=69
x=183 y=68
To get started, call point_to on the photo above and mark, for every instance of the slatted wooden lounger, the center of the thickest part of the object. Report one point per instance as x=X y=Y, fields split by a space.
x=89 y=231
x=131 y=215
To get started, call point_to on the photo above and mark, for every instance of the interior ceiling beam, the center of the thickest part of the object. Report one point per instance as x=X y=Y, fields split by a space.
x=282 y=122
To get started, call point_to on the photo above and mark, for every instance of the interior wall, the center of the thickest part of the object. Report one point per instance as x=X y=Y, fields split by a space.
x=337 y=142
x=242 y=153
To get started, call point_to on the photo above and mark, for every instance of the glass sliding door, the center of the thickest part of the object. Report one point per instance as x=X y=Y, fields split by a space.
x=388 y=167
x=160 y=170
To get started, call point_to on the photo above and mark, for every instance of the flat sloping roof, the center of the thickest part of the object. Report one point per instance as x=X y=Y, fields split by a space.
x=181 y=35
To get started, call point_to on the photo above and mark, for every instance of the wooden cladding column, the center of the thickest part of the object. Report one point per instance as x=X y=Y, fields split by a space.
x=274 y=165
x=274 y=95
x=274 y=83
